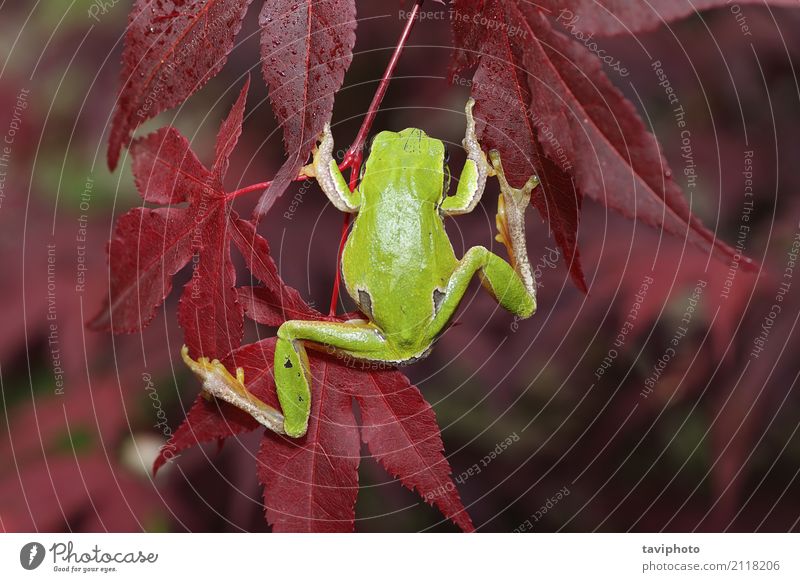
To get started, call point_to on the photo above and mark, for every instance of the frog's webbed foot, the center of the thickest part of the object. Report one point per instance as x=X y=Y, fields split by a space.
x=324 y=168
x=510 y=221
x=219 y=383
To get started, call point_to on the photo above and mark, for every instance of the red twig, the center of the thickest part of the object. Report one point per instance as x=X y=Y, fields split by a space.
x=247 y=189
x=355 y=153
x=337 y=280
x=259 y=186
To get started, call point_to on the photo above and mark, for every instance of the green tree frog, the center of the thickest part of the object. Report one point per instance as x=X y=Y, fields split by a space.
x=398 y=264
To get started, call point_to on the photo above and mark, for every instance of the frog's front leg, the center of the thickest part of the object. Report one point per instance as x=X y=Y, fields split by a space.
x=361 y=340
x=497 y=277
x=325 y=169
x=472 y=181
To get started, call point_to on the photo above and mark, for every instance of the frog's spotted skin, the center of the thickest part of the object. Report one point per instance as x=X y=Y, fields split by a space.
x=398 y=263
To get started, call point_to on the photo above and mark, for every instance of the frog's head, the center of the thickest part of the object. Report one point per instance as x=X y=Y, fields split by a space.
x=411 y=157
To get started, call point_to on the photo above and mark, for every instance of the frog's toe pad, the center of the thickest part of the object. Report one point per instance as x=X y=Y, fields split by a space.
x=296 y=431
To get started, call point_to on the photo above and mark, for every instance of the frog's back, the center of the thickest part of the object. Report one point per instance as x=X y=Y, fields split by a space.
x=398 y=259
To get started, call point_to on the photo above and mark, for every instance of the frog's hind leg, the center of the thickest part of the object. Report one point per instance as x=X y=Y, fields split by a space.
x=360 y=340
x=497 y=277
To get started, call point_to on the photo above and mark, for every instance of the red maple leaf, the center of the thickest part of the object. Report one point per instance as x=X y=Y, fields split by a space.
x=549 y=109
x=149 y=246
x=306 y=48
x=311 y=483
x=173 y=49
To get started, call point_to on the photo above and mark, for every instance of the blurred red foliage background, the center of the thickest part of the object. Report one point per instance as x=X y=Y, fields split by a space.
x=605 y=434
